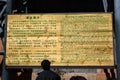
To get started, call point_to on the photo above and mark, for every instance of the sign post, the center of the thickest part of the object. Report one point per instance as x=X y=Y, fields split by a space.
x=64 y=39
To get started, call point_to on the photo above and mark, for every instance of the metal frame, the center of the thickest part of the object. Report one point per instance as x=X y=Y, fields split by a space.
x=117 y=33
x=2 y=20
x=105 y=5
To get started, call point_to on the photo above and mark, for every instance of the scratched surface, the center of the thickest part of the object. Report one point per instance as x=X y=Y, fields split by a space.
x=64 y=39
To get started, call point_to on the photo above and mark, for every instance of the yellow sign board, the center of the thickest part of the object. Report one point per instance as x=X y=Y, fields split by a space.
x=64 y=39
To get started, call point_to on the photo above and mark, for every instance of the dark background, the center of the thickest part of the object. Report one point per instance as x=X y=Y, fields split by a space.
x=58 y=6
x=37 y=6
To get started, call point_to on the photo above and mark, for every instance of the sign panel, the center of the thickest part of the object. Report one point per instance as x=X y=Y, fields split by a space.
x=64 y=39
